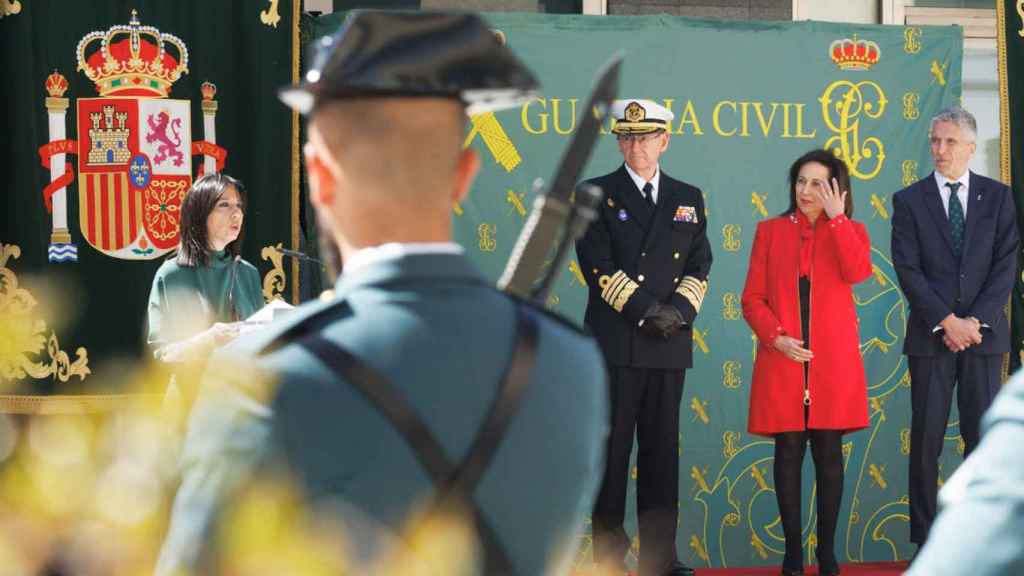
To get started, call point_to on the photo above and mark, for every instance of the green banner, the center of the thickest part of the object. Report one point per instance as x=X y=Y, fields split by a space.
x=749 y=98
x=1011 y=137
x=101 y=137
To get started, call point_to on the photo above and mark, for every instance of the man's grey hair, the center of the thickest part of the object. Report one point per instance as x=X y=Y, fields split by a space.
x=962 y=118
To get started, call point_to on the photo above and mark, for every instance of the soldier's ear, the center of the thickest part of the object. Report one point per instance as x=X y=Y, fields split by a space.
x=321 y=178
x=465 y=172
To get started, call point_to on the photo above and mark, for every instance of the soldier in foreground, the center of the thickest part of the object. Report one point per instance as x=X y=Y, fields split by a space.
x=417 y=378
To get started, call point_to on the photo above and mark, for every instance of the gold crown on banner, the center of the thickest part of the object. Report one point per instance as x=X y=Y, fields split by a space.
x=208 y=90
x=854 y=54
x=56 y=84
x=136 y=65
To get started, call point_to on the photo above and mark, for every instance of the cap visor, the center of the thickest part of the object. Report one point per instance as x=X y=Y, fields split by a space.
x=297 y=98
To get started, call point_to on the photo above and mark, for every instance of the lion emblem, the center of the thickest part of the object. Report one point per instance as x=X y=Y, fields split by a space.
x=158 y=132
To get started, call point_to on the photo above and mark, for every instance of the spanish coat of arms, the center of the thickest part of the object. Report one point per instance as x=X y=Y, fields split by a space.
x=134 y=145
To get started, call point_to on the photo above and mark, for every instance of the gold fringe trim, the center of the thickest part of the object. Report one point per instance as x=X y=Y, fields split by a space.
x=1004 y=95
x=71 y=404
x=296 y=48
x=1005 y=173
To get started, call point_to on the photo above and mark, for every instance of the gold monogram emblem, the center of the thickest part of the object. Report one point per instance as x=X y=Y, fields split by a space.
x=731 y=237
x=844 y=105
x=909 y=172
x=635 y=112
x=729 y=440
x=486 y=233
x=910 y=111
x=912 y=40
x=731 y=306
x=731 y=374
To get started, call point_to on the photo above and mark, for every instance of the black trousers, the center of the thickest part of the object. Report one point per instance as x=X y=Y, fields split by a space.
x=932 y=379
x=647 y=401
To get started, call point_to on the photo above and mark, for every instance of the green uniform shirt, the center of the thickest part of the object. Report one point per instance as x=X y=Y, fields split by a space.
x=186 y=300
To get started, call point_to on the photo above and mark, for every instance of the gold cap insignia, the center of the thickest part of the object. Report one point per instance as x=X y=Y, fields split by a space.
x=635 y=112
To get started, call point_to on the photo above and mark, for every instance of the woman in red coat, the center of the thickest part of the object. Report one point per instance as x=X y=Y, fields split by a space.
x=808 y=380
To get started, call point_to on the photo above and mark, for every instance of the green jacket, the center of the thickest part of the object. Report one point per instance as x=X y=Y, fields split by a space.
x=184 y=301
x=442 y=335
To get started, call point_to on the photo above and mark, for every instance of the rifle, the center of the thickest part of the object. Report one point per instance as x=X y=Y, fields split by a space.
x=564 y=209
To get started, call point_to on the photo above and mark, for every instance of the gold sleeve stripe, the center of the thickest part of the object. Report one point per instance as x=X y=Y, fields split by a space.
x=693 y=290
x=619 y=290
x=624 y=296
x=613 y=285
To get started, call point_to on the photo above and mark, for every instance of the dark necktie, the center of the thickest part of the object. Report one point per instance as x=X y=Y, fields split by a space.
x=649 y=195
x=956 y=218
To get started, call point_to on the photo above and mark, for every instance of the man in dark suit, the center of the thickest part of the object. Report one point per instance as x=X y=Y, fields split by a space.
x=417 y=379
x=646 y=259
x=954 y=247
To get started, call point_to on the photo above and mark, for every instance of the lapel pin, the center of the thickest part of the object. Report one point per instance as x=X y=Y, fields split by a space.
x=623 y=215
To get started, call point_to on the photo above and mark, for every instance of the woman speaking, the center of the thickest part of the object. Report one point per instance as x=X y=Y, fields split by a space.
x=808 y=382
x=198 y=296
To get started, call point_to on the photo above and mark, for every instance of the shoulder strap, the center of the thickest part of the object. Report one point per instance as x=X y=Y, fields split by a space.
x=454 y=484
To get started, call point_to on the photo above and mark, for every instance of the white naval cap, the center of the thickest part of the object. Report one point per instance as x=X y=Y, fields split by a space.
x=640 y=116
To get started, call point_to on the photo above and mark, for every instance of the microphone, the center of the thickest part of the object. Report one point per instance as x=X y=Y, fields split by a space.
x=297 y=254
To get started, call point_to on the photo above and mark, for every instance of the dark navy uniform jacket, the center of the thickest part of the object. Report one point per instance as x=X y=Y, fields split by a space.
x=632 y=259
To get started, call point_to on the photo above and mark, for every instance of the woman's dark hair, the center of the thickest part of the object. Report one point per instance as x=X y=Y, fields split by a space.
x=836 y=169
x=201 y=199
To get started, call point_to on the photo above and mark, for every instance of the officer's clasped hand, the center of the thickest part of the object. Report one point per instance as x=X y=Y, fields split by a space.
x=662 y=321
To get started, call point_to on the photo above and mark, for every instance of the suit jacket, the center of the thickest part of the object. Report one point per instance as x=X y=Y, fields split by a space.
x=978 y=530
x=443 y=336
x=771 y=305
x=633 y=258
x=935 y=283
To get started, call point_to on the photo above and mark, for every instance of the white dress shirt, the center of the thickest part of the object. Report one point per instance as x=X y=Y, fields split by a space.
x=962 y=193
x=640 y=182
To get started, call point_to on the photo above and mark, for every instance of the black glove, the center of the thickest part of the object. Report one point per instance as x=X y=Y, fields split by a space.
x=662 y=321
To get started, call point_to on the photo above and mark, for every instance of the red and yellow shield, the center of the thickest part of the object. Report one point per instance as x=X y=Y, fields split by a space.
x=135 y=167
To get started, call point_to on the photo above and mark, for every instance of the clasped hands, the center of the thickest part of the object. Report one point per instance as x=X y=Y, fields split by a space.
x=960 y=333
x=661 y=321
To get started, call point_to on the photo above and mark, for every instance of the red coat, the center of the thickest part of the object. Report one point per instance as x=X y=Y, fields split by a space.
x=841 y=257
